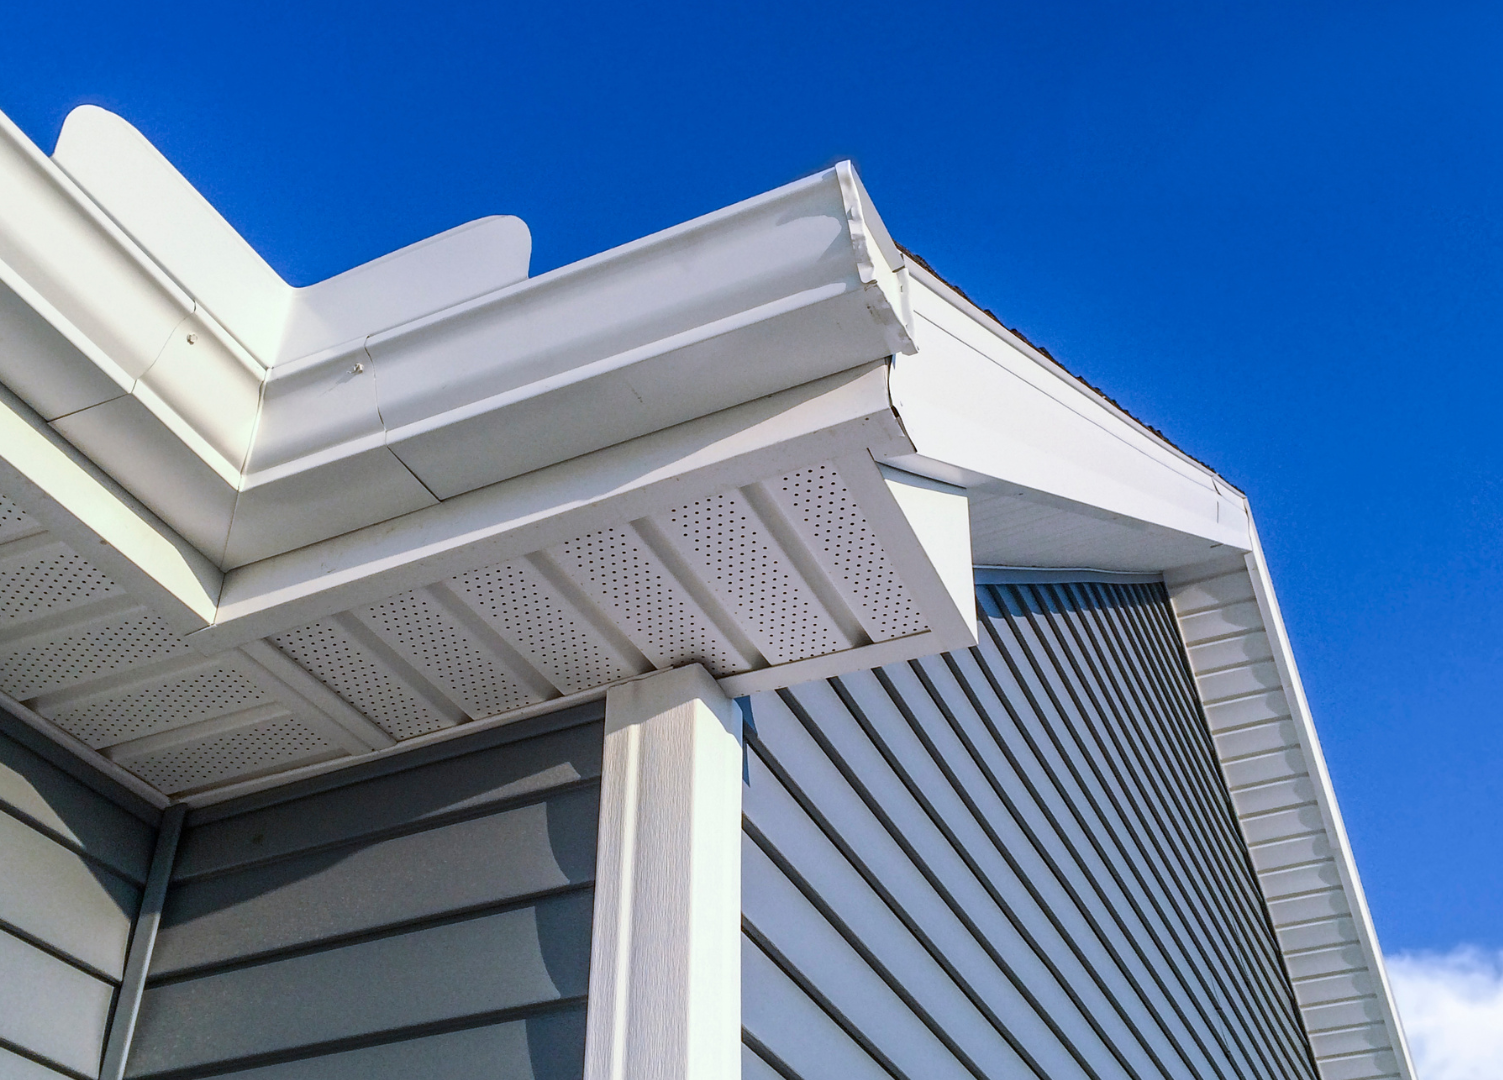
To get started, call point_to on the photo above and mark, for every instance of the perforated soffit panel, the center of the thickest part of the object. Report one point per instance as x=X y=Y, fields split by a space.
x=745 y=581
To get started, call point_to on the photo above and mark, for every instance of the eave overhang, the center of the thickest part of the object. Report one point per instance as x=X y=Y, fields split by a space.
x=249 y=533
x=665 y=454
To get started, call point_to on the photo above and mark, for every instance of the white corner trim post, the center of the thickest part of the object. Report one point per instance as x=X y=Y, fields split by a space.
x=665 y=954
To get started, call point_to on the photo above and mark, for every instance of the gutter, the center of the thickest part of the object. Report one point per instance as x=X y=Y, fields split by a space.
x=233 y=410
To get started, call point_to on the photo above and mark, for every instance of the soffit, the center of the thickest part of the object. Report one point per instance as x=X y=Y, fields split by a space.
x=1287 y=810
x=798 y=575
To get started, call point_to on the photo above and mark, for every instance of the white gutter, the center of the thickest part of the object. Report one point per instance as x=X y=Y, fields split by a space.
x=231 y=404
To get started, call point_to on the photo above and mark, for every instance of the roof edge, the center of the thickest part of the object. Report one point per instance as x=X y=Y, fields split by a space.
x=987 y=318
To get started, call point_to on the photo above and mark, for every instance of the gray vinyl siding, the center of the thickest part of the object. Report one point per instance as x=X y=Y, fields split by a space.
x=427 y=916
x=1017 y=860
x=73 y=857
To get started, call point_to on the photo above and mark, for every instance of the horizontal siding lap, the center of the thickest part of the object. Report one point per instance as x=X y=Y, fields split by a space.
x=50 y=1008
x=1300 y=879
x=1053 y=851
x=432 y=919
x=1307 y=904
x=1238 y=682
x=1126 y=849
x=1174 y=930
x=781 y=1017
x=755 y=1067
x=1322 y=904
x=1364 y=1038
x=1116 y=915
x=1260 y=738
x=1331 y=960
x=1344 y=1014
x=1063 y=921
x=1260 y=769
x=845 y=978
x=942 y=896
x=1277 y=795
x=1365 y=1066
x=453 y=787
x=537 y=1047
x=1248 y=648
x=987 y=876
x=1221 y=622
x=1334 y=988
x=1295 y=821
x=1240 y=712
x=16 y=1067
x=38 y=792
x=56 y=896
x=1220 y=591
x=427 y=976
x=548 y=845
x=1317 y=935
x=779 y=913
x=1293 y=851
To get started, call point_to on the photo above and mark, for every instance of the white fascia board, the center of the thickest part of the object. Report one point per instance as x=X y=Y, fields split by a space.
x=982 y=408
x=840 y=415
x=67 y=494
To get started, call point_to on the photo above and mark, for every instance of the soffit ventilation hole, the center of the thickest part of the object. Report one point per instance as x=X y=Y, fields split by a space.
x=133 y=639
x=734 y=553
x=223 y=757
x=15 y=522
x=436 y=642
x=629 y=582
x=518 y=603
x=199 y=695
x=50 y=580
x=850 y=551
x=360 y=678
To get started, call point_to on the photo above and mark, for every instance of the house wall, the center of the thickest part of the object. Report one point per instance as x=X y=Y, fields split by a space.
x=73 y=857
x=428 y=915
x=1016 y=860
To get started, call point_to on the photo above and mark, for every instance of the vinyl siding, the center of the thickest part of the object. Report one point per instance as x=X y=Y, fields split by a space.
x=74 y=855
x=1016 y=860
x=428 y=916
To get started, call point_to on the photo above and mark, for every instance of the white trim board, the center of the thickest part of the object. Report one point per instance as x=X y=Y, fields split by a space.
x=1046 y=575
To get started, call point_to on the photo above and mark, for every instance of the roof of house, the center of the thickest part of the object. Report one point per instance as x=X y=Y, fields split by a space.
x=252 y=532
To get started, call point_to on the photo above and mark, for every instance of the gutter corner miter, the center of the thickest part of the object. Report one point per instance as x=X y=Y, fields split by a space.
x=492 y=374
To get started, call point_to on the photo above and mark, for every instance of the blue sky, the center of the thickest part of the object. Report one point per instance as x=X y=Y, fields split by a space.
x=1273 y=231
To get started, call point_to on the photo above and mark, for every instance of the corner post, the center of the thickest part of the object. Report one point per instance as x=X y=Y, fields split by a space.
x=665 y=955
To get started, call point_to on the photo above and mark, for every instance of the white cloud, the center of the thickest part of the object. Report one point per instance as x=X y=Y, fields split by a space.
x=1452 y=1009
